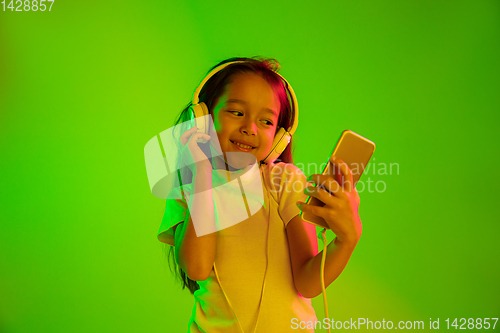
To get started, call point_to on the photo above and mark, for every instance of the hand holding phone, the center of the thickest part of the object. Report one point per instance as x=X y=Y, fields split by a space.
x=355 y=151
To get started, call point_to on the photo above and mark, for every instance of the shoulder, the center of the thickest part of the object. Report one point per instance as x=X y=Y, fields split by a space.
x=284 y=171
x=282 y=168
x=285 y=178
x=287 y=187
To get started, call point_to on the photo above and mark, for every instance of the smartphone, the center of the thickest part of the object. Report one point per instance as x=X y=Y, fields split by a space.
x=356 y=152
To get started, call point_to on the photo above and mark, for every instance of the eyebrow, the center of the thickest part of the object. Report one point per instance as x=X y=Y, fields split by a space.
x=235 y=100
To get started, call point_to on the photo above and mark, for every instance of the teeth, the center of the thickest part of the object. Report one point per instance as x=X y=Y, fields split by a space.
x=243 y=146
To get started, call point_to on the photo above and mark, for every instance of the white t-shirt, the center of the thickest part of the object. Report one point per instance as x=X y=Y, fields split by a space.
x=240 y=260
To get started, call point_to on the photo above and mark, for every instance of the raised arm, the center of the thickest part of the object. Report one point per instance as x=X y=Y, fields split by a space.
x=306 y=261
x=196 y=255
x=341 y=212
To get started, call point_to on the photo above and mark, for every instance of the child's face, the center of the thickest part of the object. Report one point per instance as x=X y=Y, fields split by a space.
x=248 y=112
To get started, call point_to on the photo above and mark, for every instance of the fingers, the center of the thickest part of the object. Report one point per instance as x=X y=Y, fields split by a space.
x=328 y=182
x=331 y=184
x=345 y=171
x=192 y=143
x=186 y=135
x=323 y=212
x=191 y=133
x=322 y=194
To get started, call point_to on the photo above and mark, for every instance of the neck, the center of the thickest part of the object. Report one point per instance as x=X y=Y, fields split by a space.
x=219 y=163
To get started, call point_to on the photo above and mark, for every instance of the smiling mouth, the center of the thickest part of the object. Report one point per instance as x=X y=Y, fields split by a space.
x=242 y=146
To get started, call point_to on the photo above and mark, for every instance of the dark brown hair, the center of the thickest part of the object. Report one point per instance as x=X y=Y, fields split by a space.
x=212 y=90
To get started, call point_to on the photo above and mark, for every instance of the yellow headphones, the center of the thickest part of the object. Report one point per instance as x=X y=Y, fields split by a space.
x=282 y=137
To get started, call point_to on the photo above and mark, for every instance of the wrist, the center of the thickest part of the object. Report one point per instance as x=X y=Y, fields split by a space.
x=202 y=178
x=202 y=167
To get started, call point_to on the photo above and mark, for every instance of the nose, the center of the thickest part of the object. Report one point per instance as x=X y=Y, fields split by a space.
x=249 y=128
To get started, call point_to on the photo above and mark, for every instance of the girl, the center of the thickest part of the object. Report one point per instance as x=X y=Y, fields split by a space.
x=260 y=274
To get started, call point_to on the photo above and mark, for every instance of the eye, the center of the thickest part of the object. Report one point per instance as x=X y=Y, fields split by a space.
x=267 y=122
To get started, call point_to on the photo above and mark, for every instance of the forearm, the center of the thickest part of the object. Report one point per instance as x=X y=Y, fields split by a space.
x=195 y=253
x=308 y=281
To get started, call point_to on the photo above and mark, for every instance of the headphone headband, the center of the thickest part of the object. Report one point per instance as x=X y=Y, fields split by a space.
x=294 y=104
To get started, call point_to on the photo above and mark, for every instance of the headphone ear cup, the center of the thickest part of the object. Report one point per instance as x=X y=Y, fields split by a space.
x=200 y=111
x=281 y=141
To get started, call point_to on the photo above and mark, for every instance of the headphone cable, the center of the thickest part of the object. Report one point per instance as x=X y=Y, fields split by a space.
x=323 y=259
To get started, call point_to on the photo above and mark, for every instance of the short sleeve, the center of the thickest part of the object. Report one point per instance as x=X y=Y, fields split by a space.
x=175 y=212
x=289 y=183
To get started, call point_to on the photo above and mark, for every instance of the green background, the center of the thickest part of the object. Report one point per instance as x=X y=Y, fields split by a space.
x=85 y=86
